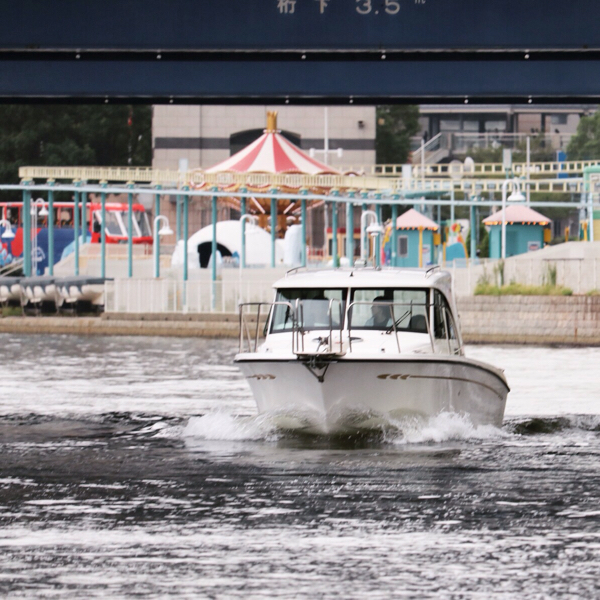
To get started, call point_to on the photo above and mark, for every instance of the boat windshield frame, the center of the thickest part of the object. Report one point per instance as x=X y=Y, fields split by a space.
x=314 y=313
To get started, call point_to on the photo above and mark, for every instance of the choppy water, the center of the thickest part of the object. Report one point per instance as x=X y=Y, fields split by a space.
x=136 y=467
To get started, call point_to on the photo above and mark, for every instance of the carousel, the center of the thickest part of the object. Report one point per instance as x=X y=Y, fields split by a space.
x=270 y=154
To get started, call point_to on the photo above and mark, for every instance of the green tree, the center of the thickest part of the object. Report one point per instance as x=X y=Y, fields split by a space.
x=540 y=151
x=395 y=126
x=73 y=135
x=484 y=241
x=585 y=144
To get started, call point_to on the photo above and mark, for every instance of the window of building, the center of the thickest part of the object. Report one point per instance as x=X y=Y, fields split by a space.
x=449 y=124
x=559 y=119
x=495 y=125
x=402 y=246
x=239 y=140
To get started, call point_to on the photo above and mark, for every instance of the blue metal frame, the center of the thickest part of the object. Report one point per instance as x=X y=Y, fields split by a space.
x=284 y=24
x=280 y=81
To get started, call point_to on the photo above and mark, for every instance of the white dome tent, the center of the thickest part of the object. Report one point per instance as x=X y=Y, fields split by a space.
x=229 y=243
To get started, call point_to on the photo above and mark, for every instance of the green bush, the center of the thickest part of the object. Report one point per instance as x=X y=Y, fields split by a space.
x=518 y=289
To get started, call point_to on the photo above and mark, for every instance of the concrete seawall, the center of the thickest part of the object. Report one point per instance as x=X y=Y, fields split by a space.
x=484 y=319
x=530 y=319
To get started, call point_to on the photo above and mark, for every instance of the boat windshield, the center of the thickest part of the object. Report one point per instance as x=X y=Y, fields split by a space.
x=142 y=221
x=113 y=227
x=313 y=308
x=380 y=308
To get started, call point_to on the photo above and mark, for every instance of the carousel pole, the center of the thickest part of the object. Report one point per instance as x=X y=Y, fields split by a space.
x=303 y=191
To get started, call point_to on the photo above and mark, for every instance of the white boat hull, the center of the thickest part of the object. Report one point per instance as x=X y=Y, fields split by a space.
x=356 y=392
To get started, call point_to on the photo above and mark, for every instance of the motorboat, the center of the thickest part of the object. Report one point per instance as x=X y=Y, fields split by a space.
x=345 y=349
x=80 y=288
x=10 y=290
x=38 y=291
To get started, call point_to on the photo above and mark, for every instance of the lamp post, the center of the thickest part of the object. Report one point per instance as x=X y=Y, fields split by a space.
x=375 y=230
x=243 y=220
x=515 y=196
x=165 y=230
x=372 y=229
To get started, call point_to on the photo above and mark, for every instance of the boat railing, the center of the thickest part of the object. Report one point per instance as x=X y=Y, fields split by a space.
x=327 y=345
x=252 y=317
x=399 y=312
x=255 y=318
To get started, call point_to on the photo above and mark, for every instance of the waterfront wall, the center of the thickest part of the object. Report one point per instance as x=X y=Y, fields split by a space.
x=530 y=319
x=571 y=320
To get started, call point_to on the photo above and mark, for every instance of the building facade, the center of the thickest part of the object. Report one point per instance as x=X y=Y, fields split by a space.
x=205 y=135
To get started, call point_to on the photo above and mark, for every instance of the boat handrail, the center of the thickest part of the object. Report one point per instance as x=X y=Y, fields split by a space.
x=295 y=270
x=244 y=326
x=249 y=341
x=300 y=330
x=327 y=345
x=431 y=270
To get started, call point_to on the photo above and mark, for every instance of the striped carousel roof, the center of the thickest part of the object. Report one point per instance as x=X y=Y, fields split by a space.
x=272 y=153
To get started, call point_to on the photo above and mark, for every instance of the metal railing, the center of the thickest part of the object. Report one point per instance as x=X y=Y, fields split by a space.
x=298 y=328
x=326 y=345
x=252 y=326
x=178 y=296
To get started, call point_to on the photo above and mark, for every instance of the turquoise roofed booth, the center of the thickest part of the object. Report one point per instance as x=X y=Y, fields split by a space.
x=415 y=239
x=524 y=230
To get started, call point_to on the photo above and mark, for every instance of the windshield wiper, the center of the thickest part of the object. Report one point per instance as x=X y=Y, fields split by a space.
x=397 y=323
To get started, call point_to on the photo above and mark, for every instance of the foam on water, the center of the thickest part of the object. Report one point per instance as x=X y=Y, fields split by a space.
x=442 y=428
x=222 y=426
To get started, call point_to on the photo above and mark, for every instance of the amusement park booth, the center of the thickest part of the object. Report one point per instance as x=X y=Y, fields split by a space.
x=415 y=239
x=526 y=230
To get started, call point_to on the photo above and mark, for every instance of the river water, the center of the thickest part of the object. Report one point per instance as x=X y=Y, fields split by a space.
x=137 y=467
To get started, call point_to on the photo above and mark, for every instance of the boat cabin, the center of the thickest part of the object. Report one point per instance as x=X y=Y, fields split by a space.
x=367 y=309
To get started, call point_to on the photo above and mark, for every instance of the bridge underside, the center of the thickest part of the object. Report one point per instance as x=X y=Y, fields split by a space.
x=289 y=79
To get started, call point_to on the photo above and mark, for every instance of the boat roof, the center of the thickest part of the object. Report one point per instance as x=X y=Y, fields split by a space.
x=431 y=277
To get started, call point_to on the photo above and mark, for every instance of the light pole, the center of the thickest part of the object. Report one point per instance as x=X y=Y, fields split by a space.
x=165 y=230
x=373 y=229
x=515 y=196
x=243 y=220
x=34 y=213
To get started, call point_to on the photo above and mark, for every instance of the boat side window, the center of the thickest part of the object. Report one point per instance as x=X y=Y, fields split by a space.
x=135 y=232
x=444 y=327
x=112 y=223
x=312 y=308
x=380 y=308
x=142 y=220
x=440 y=320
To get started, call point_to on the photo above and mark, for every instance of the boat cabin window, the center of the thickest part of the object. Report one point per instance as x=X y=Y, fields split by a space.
x=315 y=308
x=381 y=308
x=113 y=226
x=142 y=221
x=444 y=327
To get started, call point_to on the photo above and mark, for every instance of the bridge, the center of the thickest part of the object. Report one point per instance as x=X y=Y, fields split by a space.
x=299 y=51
